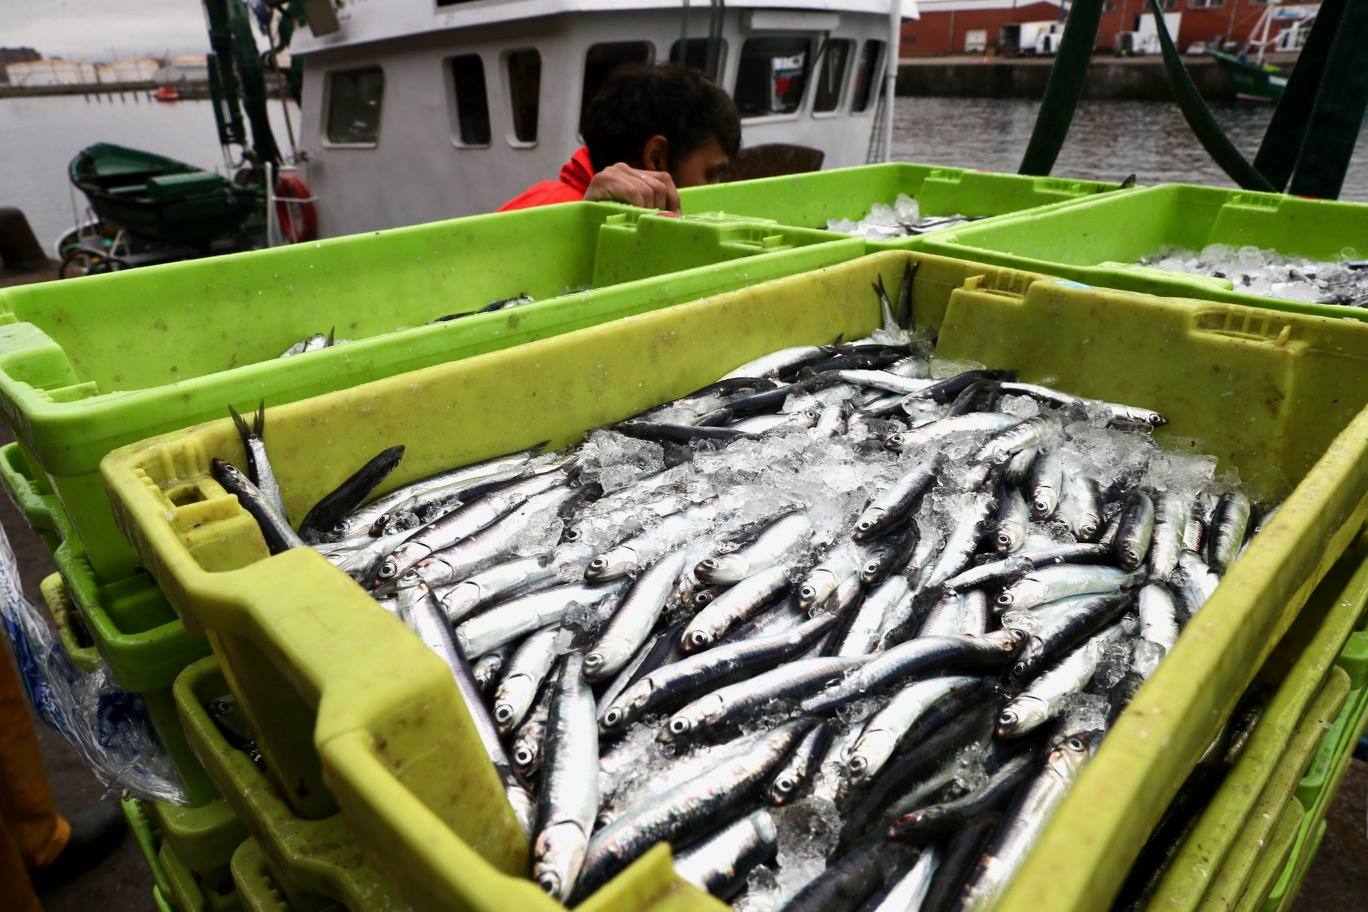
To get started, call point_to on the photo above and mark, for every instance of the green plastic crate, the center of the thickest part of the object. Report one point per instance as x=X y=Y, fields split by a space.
x=811 y=200
x=1279 y=763
x=204 y=837
x=1100 y=240
x=261 y=888
x=91 y=365
x=308 y=653
x=135 y=629
x=319 y=856
x=64 y=621
x=174 y=884
x=144 y=831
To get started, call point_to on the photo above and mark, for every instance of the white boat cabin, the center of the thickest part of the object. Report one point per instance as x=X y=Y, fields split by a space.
x=417 y=110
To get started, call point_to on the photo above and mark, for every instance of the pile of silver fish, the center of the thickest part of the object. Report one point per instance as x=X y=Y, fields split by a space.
x=842 y=627
x=1267 y=272
x=319 y=341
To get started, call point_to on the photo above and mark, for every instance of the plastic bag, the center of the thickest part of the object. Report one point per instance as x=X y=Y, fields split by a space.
x=107 y=726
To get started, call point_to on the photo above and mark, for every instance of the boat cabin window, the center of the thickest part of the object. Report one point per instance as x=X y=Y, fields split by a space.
x=524 y=92
x=867 y=76
x=693 y=52
x=354 y=106
x=472 y=100
x=833 y=60
x=600 y=62
x=772 y=75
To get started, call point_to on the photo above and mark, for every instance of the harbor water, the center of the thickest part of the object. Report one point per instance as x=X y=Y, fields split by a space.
x=1109 y=140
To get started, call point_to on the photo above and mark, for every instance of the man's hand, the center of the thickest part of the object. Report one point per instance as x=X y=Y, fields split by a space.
x=622 y=183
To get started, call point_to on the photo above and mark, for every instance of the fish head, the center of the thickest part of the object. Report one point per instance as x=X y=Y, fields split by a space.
x=511 y=701
x=696 y=639
x=462 y=599
x=611 y=564
x=683 y=725
x=626 y=707
x=723 y=569
x=896 y=442
x=704 y=597
x=816 y=589
x=559 y=852
x=1024 y=714
x=526 y=757
x=1006 y=540
x=1030 y=655
x=869 y=522
x=869 y=754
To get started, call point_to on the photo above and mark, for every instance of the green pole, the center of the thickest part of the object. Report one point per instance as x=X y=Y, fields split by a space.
x=1064 y=88
x=1338 y=112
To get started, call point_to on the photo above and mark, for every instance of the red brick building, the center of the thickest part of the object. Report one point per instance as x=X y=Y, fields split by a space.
x=971 y=26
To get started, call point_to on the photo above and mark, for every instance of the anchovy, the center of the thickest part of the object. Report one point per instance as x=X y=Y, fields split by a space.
x=1073 y=620
x=831 y=421
x=1027 y=434
x=1118 y=415
x=721 y=863
x=465 y=598
x=1045 y=484
x=1135 y=531
x=1197 y=522
x=458 y=562
x=925 y=824
x=1193 y=581
x=866 y=623
x=909 y=893
x=962 y=542
x=527 y=613
x=763 y=424
x=1019 y=467
x=421 y=614
x=890 y=554
x=1080 y=507
x=769 y=547
x=726 y=706
x=1023 y=824
x=1010 y=521
x=1228 y=524
x=1023 y=562
x=1158 y=616
x=775 y=362
x=634 y=619
x=957 y=614
x=275 y=528
x=973 y=423
x=947 y=389
x=820 y=583
x=1049 y=584
x=885 y=380
x=464 y=522
x=961 y=855
x=1044 y=697
x=486 y=669
x=682 y=809
x=676 y=683
x=1169 y=518
x=523 y=675
x=739 y=603
x=360 y=562
x=887 y=727
x=569 y=789
x=923 y=657
x=259 y=462
x=659 y=650
x=326 y=515
x=528 y=740
x=895 y=501
x=851 y=878
x=676 y=433
x=363 y=519
x=781 y=617
x=802 y=764
x=431 y=504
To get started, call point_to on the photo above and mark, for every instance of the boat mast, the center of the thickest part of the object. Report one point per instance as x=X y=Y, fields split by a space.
x=891 y=74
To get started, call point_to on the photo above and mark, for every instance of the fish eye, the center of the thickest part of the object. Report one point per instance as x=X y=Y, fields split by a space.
x=1004 y=598
x=1076 y=744
x=612 y=717
x=1007 y=717
x=549 y=882
x=679 y=726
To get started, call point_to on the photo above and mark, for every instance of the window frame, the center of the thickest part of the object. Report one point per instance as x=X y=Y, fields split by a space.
x=454 y=106
x=511 y=133
x=804 y=100
x=722 y=45
x=875 y=79
x=843 y=88
x=328 y=82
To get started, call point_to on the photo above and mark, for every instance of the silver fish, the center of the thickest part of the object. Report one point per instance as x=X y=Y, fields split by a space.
x=526 y=746
x=683 y=808
x=775 y=362
x=1024 y=435
x=883 y=731
x=891 y=504
x=1010 y=521
x=972 y=423
x=1080 y=506
x=802 y=764
x=1049 y=584
x=527 y=613
x=769 y=547
x=961 y=543
x=1045 y=484
x=569 y=792
x=910 y=891
x=1044 y=697
x=739 y=603
x=523 y=675
x=721 y=862
x=634 y=619
x=958 y=614
x=500 y=581
x=1169 y=519
x=1117 y=414
x=842 y=562
x=641 y=550
x=1229 y=522
x=1135 y=531
x=865 y=627
x=1158 y=616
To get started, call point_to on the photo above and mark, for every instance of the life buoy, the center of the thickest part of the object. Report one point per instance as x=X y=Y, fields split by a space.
x=298 y=220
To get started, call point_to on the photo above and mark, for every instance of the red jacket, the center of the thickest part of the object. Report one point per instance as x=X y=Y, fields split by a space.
x=574 y=181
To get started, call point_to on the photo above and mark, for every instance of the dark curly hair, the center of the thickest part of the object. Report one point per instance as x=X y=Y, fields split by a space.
x=640 y=101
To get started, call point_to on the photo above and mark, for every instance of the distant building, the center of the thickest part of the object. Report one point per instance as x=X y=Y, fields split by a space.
x=185 y=68
x=1035 y=26
x=10 y=55
x=135 y=69
x=52 y=72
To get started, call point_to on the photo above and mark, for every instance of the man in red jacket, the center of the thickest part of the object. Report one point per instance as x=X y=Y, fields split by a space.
x=648 y=131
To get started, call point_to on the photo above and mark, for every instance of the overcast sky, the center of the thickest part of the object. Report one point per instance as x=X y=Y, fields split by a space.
x=101 y=29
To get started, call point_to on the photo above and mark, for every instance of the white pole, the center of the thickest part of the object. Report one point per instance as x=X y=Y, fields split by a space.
x=891 y=73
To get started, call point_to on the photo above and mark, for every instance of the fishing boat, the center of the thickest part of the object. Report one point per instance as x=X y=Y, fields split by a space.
x=415 y=110
x=166 y=93
x=160 y=199
x=1253 y=78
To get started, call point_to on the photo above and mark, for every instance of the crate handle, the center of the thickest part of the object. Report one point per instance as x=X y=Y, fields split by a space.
x=1243 y=323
